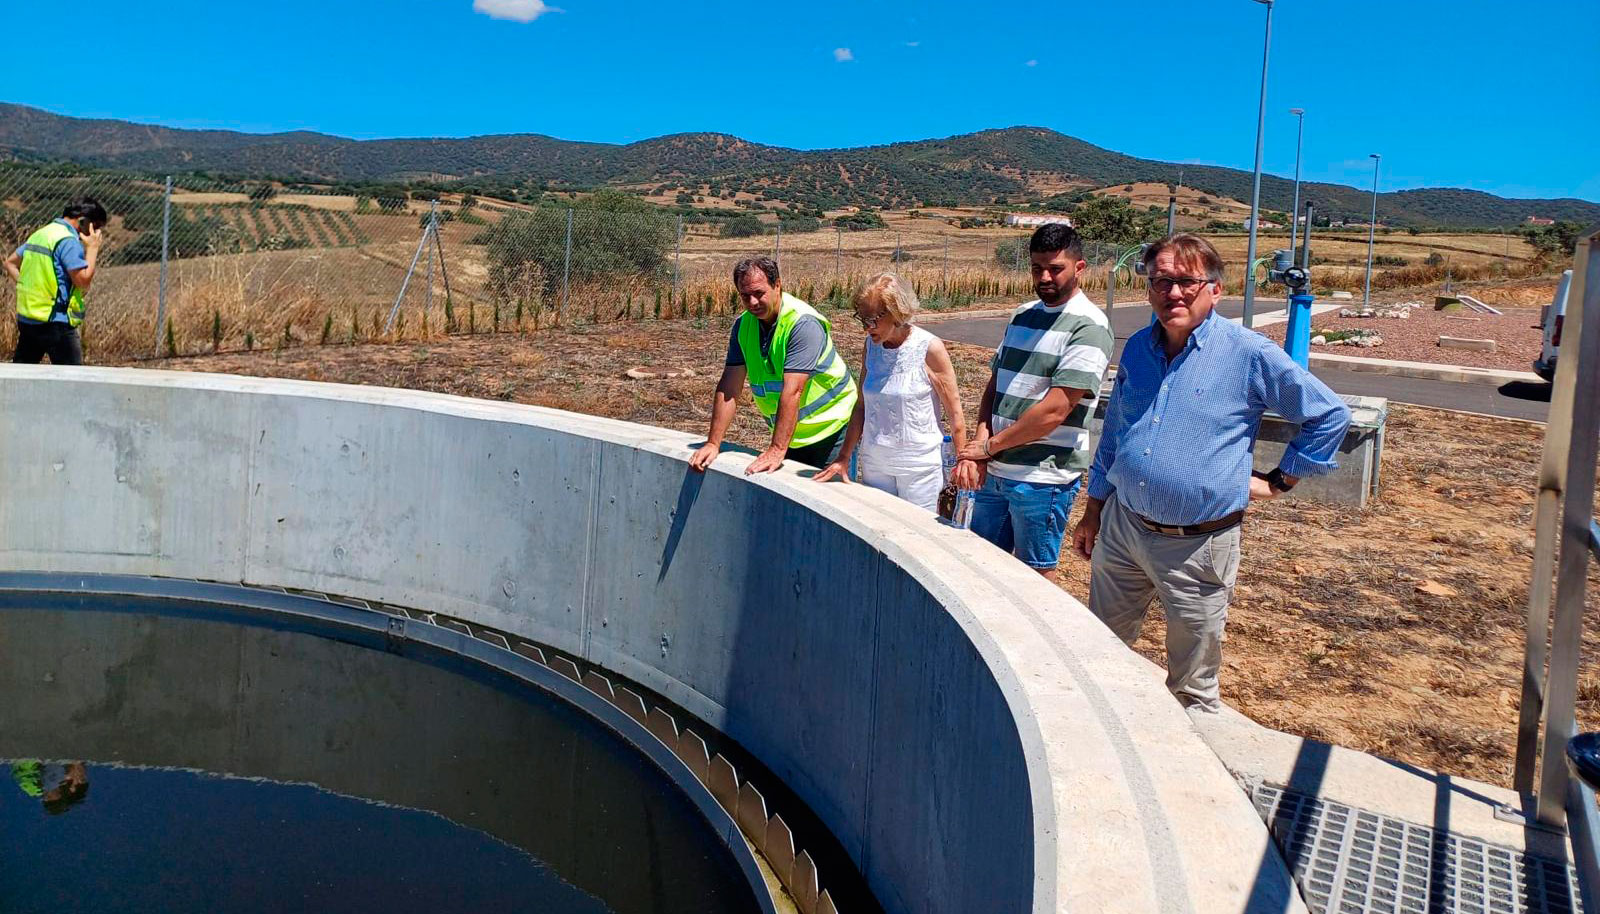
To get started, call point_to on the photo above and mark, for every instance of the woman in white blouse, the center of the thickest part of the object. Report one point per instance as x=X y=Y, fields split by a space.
x=907 y=380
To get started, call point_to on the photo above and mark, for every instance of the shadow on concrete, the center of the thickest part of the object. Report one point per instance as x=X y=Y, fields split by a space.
x=1537 y=391
x=1536 y=839
x=688 y=493
x=1310 y=768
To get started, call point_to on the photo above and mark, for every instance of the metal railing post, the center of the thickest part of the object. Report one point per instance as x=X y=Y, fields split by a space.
x=1577 y=374
x=566 y=272
x=161 y=285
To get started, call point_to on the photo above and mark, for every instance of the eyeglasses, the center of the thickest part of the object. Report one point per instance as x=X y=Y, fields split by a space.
x=869 y=322
x=1185 y=284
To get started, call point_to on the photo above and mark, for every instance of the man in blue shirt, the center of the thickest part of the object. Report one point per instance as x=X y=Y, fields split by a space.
x=1172 y=476
x=53 y=270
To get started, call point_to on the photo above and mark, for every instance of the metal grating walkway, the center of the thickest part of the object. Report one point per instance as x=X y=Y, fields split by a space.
x=1353 y=861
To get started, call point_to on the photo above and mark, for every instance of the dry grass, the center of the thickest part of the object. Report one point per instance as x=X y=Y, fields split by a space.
x=266 y=299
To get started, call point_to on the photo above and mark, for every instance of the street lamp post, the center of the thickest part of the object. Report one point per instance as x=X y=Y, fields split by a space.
x=1255 y=187
x=1294 y=214
x=1372 y=229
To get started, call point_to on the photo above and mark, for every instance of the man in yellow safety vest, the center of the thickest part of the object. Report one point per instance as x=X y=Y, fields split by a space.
x=53 y=270
x=801 y=384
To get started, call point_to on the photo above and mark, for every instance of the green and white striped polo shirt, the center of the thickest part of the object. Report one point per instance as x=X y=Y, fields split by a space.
x=1046 y=346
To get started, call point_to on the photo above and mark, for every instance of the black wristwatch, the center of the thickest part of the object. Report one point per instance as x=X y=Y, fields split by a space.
x=1275 y=480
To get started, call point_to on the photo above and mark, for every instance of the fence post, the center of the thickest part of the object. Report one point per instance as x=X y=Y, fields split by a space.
x=677 y=259
x=838 y=254
x=433 y=229
x=566 y=272
x=944 y=276
x=777 y=246
x=161 y=287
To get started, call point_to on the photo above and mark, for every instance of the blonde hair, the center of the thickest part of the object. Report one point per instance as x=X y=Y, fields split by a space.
x=893 y=294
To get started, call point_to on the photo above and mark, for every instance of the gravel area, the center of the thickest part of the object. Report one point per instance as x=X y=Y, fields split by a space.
x=1516 y=332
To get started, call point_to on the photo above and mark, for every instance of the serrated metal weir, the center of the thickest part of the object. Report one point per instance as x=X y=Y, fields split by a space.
x=1348 y=860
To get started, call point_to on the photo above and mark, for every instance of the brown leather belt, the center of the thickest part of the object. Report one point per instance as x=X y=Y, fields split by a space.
x=1210 y=526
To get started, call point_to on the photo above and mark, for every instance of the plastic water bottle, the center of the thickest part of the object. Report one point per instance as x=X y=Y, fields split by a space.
x=961 y=516
x=955 y=505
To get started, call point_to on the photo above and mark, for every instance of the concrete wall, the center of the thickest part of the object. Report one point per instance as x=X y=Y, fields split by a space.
x=973 y=737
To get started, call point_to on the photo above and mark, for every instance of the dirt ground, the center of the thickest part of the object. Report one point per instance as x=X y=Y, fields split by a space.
x=1396 y=630
x=1517 y=334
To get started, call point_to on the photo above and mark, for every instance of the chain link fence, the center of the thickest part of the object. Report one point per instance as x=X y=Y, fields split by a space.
x=194 y=265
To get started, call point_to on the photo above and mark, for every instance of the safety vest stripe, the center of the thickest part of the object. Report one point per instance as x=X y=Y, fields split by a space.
x=826 y=398
x=826 y=357
x=39 y=249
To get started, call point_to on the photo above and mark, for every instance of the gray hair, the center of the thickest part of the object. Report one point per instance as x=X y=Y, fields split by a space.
x=766 y=265
x=893 y=294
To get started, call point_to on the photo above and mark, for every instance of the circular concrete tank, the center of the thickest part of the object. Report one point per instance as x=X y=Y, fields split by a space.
x=969 y=736
x=254 y=751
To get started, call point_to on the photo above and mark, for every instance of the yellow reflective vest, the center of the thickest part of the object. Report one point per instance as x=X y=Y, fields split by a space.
x=39 y=287
x=830 y=395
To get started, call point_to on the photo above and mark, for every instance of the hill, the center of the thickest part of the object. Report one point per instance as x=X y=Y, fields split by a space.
x=1007 y=166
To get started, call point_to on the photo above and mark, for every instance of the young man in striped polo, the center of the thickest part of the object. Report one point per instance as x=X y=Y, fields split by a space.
x=1032 y=443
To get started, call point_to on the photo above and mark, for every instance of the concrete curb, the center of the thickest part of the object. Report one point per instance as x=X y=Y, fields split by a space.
x=1428 y=371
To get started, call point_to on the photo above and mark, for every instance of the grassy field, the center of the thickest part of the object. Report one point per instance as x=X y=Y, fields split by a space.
x=307 y=268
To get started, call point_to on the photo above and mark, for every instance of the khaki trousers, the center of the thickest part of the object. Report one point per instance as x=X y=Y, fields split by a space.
x=1192 y=575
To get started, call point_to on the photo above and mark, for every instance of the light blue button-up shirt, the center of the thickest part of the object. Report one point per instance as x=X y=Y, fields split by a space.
x=1177 y=440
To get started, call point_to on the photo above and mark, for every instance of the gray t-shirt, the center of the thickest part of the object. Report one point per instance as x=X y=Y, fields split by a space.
x=806 y=343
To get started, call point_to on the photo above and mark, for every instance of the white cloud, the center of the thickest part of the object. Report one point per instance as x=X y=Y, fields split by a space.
x=1033 y=63
x=912 y=44
x=514 y=10
x=842 y=55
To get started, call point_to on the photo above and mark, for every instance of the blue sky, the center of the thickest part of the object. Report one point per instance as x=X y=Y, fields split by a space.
x=1460 y=93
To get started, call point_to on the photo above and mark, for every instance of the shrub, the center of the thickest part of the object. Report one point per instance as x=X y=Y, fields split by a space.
x=860 y=222
x=613 y=235
x=743 y=226
x=1011 y=251
x=799 y=225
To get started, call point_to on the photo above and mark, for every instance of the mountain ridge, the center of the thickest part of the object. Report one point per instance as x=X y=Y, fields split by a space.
x=1008 y=166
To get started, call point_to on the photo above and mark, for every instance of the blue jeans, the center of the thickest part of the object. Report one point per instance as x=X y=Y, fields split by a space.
x=1026 y=519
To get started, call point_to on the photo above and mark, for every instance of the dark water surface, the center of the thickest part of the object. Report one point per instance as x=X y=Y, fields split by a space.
x=242 y=768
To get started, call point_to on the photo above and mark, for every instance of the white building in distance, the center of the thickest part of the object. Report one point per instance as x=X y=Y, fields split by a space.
x=1034 y=220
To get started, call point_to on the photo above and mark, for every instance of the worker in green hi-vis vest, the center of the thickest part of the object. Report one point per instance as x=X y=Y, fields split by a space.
x=53 y=270
x=801 y=384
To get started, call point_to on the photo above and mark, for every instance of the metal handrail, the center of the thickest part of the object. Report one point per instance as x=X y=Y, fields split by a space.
x=1566 y=497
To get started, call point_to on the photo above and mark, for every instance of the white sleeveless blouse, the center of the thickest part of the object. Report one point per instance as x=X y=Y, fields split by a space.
x=901 y=411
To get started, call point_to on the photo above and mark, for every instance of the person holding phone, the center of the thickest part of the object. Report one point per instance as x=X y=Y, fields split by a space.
x=53 y=270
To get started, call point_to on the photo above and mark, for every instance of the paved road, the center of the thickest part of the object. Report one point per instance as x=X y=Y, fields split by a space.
x=1516 y=400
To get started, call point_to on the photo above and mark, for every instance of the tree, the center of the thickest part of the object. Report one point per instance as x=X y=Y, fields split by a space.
x=1011 y=251
x=743 y=226
x=262 y=192
x=1549 y=241
x=861 y=221
x=1111 y=220
x=614 y=236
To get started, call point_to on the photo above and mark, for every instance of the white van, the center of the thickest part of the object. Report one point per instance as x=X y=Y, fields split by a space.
x=1552 y=317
